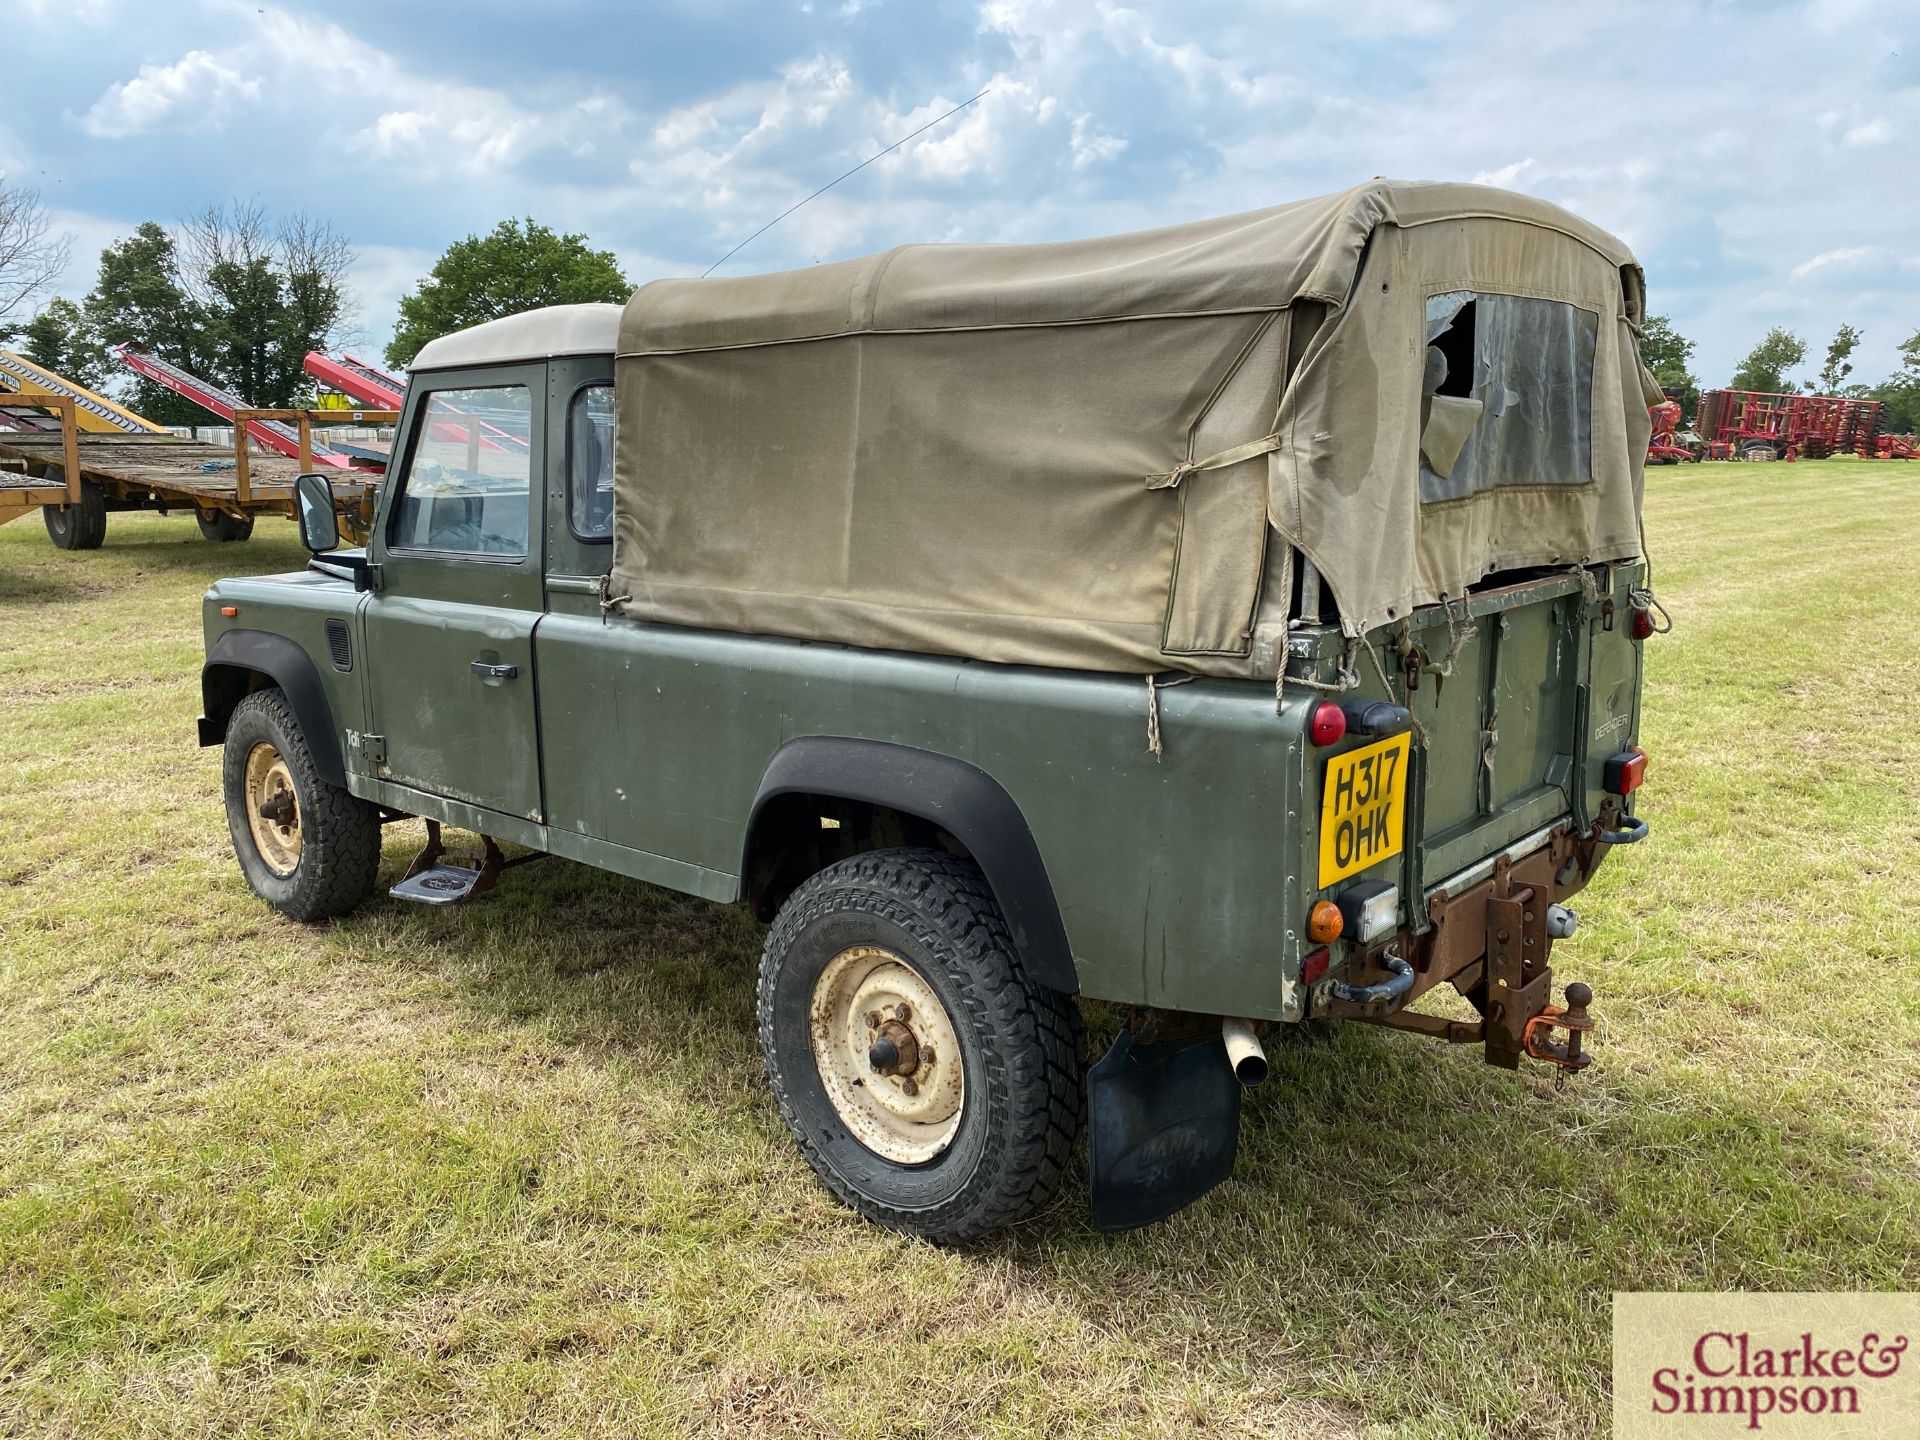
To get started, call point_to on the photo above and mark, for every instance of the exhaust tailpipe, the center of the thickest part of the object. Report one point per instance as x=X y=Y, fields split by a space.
x=1244 y=1053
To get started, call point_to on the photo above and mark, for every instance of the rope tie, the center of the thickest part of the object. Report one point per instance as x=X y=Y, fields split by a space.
x=1344 y=679
x=1154 y=687
x=1170 y=479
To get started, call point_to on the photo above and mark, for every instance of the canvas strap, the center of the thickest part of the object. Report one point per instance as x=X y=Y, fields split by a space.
x=1170 y=479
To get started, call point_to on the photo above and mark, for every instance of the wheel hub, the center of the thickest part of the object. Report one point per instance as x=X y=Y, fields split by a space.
x=273 y=809
x=888 y=1055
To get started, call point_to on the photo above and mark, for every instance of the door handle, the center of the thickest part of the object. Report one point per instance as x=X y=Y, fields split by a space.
x=489 y=671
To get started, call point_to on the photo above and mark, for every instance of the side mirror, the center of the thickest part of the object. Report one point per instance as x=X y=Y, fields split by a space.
x=319 y=521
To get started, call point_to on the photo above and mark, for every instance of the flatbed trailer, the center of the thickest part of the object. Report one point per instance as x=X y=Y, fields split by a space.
x=77 y=479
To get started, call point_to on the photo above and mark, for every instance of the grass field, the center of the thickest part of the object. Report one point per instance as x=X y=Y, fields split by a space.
x=511 y=1169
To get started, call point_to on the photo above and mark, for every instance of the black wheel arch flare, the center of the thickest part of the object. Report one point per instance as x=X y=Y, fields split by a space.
x=227 y=678
x=959 y=798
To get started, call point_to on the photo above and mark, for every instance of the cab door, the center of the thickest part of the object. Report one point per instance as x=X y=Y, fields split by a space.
x=449 y=630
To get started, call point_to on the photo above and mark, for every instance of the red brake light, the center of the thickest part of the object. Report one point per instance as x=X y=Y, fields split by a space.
x=1641 y=627
x=1328 y=724
x=1315 y=965
x=1625 y=771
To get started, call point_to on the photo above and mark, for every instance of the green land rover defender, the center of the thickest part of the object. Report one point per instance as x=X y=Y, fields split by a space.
x=1238 y=623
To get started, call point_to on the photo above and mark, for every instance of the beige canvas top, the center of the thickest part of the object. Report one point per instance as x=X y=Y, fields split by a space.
x=1078 y=454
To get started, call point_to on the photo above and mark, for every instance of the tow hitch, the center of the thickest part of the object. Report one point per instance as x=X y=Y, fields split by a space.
x=1538 y=1040
x=1491 y=942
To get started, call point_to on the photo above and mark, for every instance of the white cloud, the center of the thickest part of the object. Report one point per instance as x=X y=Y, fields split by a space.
x=195 y=92
x=1874 y=132
x=1845 y=256
x=1092 y=145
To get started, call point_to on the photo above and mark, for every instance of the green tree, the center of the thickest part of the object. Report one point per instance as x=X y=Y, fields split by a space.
x=1667 y=354
x=1900 y=392
x=1839 y=364
x=1765 y=368
x=60 y=338
x=233 y=296
x=139 y=299
x=516 y=266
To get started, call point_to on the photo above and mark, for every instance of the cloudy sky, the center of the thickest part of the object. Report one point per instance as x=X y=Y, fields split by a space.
x=1759 y=157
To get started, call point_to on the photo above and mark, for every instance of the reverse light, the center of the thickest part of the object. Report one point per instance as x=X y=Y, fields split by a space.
x=1325 y=922
x=1370 y=911
x=1314 y=966
x=1327 y=725
x=1625 y=771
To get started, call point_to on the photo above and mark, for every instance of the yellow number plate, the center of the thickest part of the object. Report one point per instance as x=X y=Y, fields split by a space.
x=1363 y=808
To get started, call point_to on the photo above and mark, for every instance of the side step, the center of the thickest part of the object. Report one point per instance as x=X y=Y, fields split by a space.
x=439 y=884
x=430 y=880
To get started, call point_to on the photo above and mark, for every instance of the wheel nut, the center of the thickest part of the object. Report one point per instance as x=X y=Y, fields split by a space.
x=902 y=1011
x=874 y=1017
x=908 y=1087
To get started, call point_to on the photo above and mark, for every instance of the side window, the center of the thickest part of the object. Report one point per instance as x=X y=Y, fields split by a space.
x=1508 y=394
x=590 y=463
x=469 y=475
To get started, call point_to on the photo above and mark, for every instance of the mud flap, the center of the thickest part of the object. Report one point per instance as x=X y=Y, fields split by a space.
x=1163 y=1126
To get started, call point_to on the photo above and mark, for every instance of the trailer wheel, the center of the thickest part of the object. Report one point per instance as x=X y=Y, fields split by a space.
x=931 y=1084
x=1758 y=450
x=309 y=849
x=77 y=527
x=219 y=526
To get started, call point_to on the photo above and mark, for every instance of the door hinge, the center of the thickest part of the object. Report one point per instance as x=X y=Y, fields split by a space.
x=373 y=749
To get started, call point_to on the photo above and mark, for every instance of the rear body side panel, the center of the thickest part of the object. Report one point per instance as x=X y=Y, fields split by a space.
x=1171 y=874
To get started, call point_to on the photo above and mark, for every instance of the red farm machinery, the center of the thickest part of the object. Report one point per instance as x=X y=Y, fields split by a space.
x=1754 y=425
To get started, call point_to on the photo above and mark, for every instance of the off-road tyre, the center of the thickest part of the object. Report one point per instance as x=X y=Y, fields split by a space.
x=222 y=528
x=1023 y=1103
x=339 y=855
x=77 y=527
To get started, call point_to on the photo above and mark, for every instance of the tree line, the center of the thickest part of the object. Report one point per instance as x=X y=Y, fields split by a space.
x=1769 y=367
x=238 y=297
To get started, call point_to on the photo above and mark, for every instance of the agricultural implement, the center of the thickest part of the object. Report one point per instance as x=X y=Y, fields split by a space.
x=1663 y=445
x=1758 y=425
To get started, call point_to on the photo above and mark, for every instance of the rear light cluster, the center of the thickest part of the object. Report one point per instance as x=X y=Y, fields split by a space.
x=1365 y=914
x=1641 y=625
x=1625 y=771
x=1328 y=724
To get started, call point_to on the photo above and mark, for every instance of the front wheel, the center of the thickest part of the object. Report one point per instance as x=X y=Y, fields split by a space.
x=308 y=848
x=931 y=1084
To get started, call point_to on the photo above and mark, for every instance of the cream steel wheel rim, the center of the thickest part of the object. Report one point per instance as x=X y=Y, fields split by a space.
x=273 y=810
x=888 y=1055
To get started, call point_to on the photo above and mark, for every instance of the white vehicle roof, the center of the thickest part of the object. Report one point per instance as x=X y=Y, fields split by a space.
x=530 y=335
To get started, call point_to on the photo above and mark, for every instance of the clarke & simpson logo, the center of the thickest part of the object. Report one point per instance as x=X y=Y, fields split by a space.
x=1785 y=1365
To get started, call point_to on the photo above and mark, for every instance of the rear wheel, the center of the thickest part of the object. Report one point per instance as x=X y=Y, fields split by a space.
x=308 y=848
x=219 y=526
x=931 y=1084
x=77 y=527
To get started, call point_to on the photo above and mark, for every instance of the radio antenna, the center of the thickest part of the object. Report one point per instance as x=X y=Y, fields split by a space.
x=835 y=181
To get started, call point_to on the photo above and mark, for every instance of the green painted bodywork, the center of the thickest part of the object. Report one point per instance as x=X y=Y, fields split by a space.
x=1182 y=879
